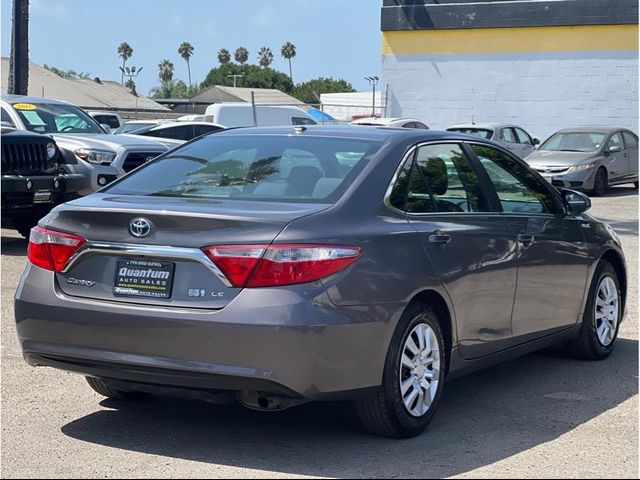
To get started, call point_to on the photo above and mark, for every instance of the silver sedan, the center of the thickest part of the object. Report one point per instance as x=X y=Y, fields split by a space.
x=512 y=137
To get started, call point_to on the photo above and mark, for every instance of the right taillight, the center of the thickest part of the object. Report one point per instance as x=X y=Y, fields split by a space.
x=275 y=265
x=50 y=249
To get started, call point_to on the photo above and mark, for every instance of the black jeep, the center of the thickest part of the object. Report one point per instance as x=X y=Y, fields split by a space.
x=32 y=181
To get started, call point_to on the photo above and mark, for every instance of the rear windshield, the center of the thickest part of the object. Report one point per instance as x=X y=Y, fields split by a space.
x=253 y=167
x=474 y=132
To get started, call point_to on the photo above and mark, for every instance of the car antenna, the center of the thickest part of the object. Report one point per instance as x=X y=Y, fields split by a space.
x=473 y=122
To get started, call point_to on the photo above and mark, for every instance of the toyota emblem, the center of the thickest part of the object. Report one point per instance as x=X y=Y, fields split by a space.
x=140 y=227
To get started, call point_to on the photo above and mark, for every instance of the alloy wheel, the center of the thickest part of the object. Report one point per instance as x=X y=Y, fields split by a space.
x=607 y=311
x=419 y=370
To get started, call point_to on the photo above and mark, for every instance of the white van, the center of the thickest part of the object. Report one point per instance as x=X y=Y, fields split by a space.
x=241 y=115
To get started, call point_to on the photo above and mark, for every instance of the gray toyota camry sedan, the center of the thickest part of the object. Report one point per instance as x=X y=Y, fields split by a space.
x=278 y=266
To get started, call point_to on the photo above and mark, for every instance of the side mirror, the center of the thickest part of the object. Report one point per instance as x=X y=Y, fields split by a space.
x=575 y=202
x=106 y=128
x=6 y=124
x=536 y=142
x=614 y=149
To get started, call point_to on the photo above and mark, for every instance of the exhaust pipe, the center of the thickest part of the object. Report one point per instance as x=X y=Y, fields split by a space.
x=267 y=402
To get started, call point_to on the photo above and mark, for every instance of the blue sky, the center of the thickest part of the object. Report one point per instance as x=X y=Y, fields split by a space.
x=339 y=38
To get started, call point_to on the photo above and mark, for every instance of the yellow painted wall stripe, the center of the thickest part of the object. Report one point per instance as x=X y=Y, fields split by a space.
x=505 y=40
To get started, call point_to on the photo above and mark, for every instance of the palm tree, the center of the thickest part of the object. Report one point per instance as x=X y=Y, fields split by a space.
x=224 y=56
x=288 y=51
x=165 y=71
x=186 y=51
x=125 y=52
x=242 y=55
x=265 y=57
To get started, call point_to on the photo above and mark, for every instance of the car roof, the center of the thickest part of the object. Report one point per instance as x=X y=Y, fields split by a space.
x=351 y=132
x=486 y=126
x=594 y=129
x=13 y=99
x=384 y=120
x=180 y=124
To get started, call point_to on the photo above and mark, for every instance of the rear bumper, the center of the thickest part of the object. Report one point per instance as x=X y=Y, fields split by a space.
x=287 y=341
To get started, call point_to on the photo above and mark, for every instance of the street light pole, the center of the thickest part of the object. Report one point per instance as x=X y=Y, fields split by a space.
x=373 y=81
x=235 y=77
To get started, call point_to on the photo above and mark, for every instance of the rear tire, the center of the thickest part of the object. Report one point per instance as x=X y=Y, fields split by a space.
x=636 y=184
x=386 y=412
x=589 y=345
x=600 y=183
x=99 y=386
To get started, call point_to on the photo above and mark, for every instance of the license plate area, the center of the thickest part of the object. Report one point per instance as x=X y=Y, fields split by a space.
x=143 y=278
x=43 y=196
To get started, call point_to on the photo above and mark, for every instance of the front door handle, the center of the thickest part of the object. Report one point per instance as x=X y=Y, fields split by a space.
x=526 y=239
x=440 y=237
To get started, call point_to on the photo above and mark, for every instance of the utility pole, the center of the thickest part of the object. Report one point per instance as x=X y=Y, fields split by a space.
x=373 y=81
x=235 y=77
x=19 y=58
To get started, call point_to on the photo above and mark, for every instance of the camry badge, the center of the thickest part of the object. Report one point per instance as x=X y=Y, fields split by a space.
x=140 y=227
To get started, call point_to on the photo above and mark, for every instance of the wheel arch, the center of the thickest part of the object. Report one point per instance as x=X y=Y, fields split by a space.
x=441 y=308
x=617 y=262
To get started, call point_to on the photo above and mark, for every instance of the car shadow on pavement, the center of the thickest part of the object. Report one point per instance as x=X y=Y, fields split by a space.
x=483 y=418
x=626 y=191
x=14 y=246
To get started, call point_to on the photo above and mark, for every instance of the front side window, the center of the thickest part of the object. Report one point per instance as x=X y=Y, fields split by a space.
x=56 y=118
x=442 y=181
x=181 y=132
x=110 y=120
x=518 y=189
x=616 y=141
x=252 y=167
x=523 y=137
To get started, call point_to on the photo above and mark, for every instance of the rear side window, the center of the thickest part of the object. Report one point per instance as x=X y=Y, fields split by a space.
x=440 y=181
x=508 y=136
x=302 y=121
x=253 y=167
x=630 y=140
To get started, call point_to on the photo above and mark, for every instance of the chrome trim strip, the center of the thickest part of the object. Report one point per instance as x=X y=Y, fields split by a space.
x=155 y=251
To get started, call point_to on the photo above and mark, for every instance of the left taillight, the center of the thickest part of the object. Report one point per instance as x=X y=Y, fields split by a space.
x=50 y=249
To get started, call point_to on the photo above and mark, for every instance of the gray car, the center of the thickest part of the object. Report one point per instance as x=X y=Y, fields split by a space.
x=588 y=158
x=293 y=264
x=512 y=137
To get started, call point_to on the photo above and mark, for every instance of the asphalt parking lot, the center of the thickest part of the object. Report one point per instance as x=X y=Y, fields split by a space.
x=539 y=416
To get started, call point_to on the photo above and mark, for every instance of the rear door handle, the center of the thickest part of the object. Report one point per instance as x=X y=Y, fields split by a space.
x=440 y=237
x=526 y=239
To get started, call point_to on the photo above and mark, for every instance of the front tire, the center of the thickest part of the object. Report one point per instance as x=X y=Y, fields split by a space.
x=412 y=380
x=601 y=322
x=600 y=183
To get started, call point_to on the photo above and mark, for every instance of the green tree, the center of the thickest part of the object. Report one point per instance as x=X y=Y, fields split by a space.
x=242 y=55
x=224 y=56
x=170 y=89
x=309 y=92
x=288 y=51
x=186 y=52
x=165 y=71
x=125 y=52
x=67 y=73
x=265 y=57
x=253 y=77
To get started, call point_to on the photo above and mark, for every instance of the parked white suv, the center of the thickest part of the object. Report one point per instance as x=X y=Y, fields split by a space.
x=85 y=147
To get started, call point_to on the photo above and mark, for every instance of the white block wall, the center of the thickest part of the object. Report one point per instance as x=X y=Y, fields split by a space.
x=543 y=92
